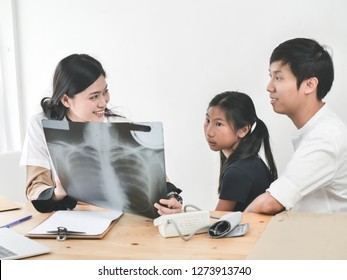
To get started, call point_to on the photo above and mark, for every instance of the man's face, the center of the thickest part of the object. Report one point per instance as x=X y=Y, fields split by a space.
x=285 y=97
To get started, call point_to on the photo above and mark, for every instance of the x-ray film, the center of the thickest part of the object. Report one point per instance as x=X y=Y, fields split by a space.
x=113 y=165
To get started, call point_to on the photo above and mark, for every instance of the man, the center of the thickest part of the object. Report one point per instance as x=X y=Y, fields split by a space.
x=315 y=178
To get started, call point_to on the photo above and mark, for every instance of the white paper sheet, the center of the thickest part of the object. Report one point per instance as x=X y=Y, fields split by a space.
x=89 y=222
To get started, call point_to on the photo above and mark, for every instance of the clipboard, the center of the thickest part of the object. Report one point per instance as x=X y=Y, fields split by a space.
x=67 y=224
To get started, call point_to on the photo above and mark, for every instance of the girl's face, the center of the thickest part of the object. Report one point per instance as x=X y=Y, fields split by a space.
x=90 y=104
x=219 y=133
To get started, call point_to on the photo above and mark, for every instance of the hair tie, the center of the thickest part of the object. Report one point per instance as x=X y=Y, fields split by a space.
x=253 y=126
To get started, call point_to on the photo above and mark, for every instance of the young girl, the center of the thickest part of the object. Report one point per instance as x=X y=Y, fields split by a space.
x=233 y=128
x=80 y=94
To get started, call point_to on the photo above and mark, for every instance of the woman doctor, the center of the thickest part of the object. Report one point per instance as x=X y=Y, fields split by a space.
x=80 y=94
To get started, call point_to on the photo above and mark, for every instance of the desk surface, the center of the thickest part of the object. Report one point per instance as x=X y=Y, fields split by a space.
x=135 y=237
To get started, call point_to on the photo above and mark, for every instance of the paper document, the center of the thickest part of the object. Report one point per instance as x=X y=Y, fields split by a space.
x=88 y=222
x=303 y=236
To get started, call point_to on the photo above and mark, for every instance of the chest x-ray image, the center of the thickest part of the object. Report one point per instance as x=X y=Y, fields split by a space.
x=113 y=165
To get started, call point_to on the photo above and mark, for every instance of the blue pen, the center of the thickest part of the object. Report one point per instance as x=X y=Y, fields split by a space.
x=16 y=222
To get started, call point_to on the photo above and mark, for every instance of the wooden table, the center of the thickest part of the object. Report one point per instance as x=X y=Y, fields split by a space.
x=135 y=237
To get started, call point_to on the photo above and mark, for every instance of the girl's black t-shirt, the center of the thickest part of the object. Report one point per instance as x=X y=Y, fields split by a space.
x=244 y=180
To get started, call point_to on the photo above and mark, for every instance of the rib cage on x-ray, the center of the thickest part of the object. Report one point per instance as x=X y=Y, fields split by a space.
x=107 y=167
x=133 y=171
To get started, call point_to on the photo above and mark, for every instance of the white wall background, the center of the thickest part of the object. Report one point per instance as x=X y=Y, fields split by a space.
x=166 y=59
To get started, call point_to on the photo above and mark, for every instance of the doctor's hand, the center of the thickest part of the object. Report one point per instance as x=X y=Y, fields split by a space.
x=59 y=192
x=168 y=206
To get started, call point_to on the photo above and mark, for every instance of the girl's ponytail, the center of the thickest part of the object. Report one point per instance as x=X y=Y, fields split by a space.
x=261 y=132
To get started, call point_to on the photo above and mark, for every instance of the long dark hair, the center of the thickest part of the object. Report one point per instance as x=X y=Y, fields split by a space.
x=72 y=75
x=240 y=111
